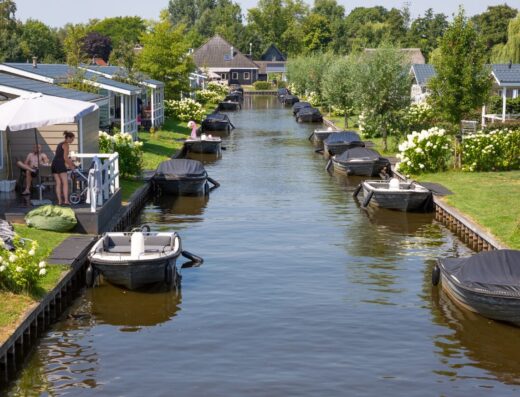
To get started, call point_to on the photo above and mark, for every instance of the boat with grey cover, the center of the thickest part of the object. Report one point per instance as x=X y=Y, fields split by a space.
x=229 y=105
x=299 y=106
x=359 y=161
x=181 y=177
x=289 y=100
x=396 y=195
x=337 y=143
x=309 y=115
x=487 y=283
x=217 y=122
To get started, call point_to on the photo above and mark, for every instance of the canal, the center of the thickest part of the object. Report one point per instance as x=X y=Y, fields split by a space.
x=302 y=293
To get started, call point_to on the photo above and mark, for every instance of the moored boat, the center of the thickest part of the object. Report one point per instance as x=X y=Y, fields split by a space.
x=487 y=283
x=309 y=115
x=338 y=142
x=289 y=100
x=182 y=177
x=359 y=161
x=217 y=122
x=300 y=105
x=204 y=144
x=396 y=195
x=235 y=96
x=318 y=136
x=229 y=105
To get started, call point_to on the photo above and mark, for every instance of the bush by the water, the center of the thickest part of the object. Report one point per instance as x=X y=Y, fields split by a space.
x=498 y=150
x=219 y=88
x=208 y=96
x=186 y=109
x=20 y=269
x=130 y=151
x=425 y=151
x=262 y=85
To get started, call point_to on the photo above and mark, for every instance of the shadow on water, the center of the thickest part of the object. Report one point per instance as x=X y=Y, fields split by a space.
x=204 y=158
x=168 y=210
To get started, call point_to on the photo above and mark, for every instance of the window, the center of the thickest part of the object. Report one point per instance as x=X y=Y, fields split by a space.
x=234 y=76
x=247 y=75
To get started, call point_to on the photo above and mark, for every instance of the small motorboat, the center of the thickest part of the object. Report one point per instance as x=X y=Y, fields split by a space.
x=136 y=259
x=487 y=283
x=229 y=105
x=338 y=142
x=309 y=115
x=396 y=195
x=359 y=161
x=204 y=144
x=182 y=177
x=289 y=100
x=237 y=88
x=217 y=122
x=300 y=105
x=282 y=92
x=234 y=96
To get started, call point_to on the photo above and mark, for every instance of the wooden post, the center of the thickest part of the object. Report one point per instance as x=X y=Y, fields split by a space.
x=504 y=103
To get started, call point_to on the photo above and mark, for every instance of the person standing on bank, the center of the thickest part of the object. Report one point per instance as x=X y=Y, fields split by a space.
x=60 y=165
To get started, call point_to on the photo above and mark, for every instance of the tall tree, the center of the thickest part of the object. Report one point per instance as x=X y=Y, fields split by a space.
x=317 y=33
x=335 y=14
x=462 y=80
x=73 y=43
x=165 y=57
x=510 y=51
x=95 y=45
x=120 y=29
x=9 y=31
x=492 y=24
x=38 y=40
x=425 y=31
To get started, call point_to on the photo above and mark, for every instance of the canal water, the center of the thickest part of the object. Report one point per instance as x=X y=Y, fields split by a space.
x=302 y=293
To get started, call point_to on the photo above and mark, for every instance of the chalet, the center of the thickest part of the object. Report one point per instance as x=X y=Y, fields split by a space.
x=506 y=84
x=271 y=62
x=219 y=57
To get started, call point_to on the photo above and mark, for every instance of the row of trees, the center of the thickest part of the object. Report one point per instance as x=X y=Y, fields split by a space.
x=376 y=85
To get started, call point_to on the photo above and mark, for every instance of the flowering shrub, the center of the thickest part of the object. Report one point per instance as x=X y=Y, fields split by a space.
x=20 y=269
x=130 y=151
x=220 y=89
x=425 y=151
x=185 y=109
x=205 y=96
x=369 y=125
x=499 y=150
x=313 y=98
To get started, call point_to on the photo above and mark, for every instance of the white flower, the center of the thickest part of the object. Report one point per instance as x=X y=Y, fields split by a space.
x=12 y=258
x=42 y=264
x=1 y=260
x=42 y=272
x=19 y=269
x=2 y=243
x=31 y=252
x=2 y=268
x=418 y=150
x=421 y=166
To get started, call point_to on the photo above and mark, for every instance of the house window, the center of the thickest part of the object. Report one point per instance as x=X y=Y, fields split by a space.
x=234 y=76
x=247 y=75
x=224 y=76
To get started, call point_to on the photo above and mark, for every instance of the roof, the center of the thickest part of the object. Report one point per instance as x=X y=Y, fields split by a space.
x=412 y=55
x=507 y=74
x=216 y=53
x=14 y=84
x=118 y=71
x=61 y=73
x=423 y=73
x=273 y=54
x=265 y=67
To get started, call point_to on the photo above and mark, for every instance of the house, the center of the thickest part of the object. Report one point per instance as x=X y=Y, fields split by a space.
x=421 y=74
x=122 y=102
x=220 y=57
x=506 y=84
x=271 y=62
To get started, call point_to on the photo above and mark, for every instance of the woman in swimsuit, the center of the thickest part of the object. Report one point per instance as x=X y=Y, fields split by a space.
x=60 y=165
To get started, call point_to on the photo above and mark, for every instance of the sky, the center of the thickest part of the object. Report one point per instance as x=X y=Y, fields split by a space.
x=58 y=12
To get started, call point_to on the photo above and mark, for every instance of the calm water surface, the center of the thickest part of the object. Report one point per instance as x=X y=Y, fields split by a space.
x=302 y=293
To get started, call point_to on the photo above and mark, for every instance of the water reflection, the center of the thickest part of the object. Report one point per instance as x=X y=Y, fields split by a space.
x=204 y=158
x=167 y=210
x=398 y=222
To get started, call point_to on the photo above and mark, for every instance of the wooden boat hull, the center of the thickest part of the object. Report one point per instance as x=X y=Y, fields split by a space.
x=229 y=105
x=401 y=200
x=204 y=146
x=331 y=149
x=359 y=168
x=183 y=186
x=136 y=274
x=494 y=307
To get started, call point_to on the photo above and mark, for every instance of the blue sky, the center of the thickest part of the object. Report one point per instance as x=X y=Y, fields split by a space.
x=58 y=12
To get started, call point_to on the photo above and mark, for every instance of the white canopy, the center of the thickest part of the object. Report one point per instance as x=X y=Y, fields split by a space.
x=38 y=110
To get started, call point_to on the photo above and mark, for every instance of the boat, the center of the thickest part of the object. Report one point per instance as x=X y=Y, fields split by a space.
x=396 y=195
x=236 y=88
x=318 y=135
x=300 y=105
x=234 y=96
x=338 y=142
x=289 y=99
x=359 y=161
x=135 y=259
x=309 y=115
x=487 y=283
x=217 y=122
x=229 y=105
x=282 y=92
x=204 y=144
x=182 y=177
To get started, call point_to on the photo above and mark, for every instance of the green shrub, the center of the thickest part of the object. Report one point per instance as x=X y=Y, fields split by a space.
x=207 y=96
x=496 y=103
x=220 y=89
x=498 y=150
x=130 y=152
x=262 y=85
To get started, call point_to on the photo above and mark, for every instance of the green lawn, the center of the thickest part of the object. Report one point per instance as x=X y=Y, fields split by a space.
x=489 y=198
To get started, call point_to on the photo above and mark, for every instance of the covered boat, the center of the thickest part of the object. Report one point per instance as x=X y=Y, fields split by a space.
x=396 y=195
x=338 y=142
x=309 y=115
x=300 y=105
x=487 y=283
x=204 y=144
x=359 y=161
x=229 y=105
x=136 y=259
x=318 y=136
x=289 y=100
x=282 y=92
x=217 y=122
x=234 y=96
x=181 y=177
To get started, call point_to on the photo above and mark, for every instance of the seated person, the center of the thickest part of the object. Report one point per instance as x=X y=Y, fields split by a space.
x=30 y=165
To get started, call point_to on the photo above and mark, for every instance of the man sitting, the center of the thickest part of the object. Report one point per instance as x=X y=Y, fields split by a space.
x=30 y=166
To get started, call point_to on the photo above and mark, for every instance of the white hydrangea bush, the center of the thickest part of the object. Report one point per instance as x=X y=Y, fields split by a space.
x=186 y=109
x=130 y=151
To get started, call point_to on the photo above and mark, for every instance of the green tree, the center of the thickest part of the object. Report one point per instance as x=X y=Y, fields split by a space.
x=306 y=73
x=120 y=29
x=73 y=44
x=382 y=89
x=335 y=14
x=317 y=33
x=9 y=31
x=510 y=51
x=425 y=32
x=462 y=80
x=38 y=40
x=165 y=57
x=492 y=24
x=225 y=18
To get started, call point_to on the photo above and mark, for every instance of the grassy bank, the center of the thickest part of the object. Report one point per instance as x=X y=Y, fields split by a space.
x=488 y=198
x=12 y=306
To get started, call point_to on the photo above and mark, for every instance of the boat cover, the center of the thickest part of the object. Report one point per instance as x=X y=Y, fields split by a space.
x=494 y=272
x=216 y=117
x=301 y=105
x=345 y=136
x=283 y=91
x=308 y=111
x=180 y=167
x=360 y=153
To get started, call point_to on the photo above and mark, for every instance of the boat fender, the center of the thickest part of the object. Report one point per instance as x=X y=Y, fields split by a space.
x=436 y=275
x=367 y=199
x=214 y=182
x=89 y=276
x=358 y=189
x=194 y=258
x=145 y=228
x=137 y=245
x=329 y=163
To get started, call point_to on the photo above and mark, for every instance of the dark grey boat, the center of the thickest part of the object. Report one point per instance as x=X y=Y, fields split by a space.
x=234 y=96
x=136 y=259
x=229 y=105
x=204 y=144
x=181 y=177
x=217 y=122
x=359 y=161
x=318 y=136
x=289 y=100
x=282 y=92
x=299 y=106
x=487 y=283
x=397 y=195
x=309 y=115
x=337 y=143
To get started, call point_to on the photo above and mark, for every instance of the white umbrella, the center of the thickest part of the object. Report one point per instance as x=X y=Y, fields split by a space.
x=38 y=110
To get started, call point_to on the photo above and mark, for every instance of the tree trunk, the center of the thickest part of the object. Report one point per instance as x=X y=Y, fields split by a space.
x=385 y=134
x=345 y=122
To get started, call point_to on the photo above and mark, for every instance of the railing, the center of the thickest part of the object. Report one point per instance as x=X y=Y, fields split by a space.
x=103 y=182
x=498 y=117
x=158 y=116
